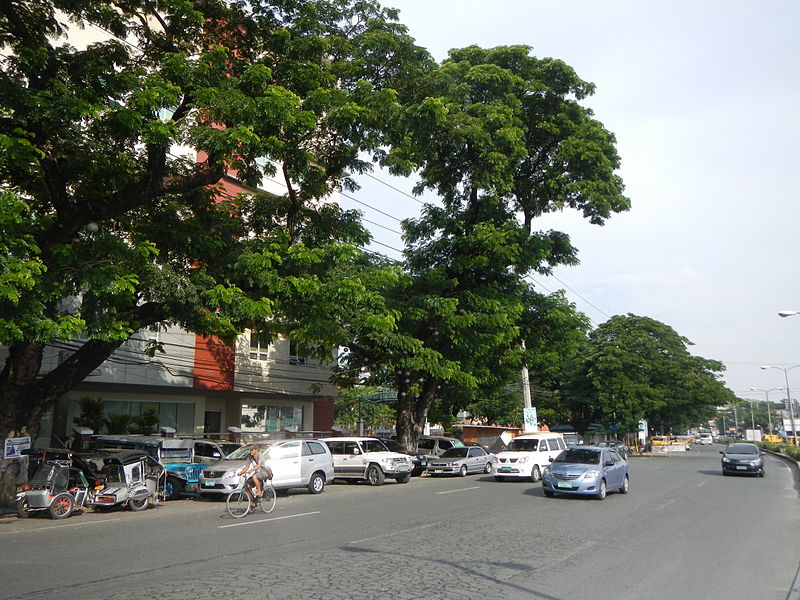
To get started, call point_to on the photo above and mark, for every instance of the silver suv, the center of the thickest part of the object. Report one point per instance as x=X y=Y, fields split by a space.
x=368 y=459
x=294 y=463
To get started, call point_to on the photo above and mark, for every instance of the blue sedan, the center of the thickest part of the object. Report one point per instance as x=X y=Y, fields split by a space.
x=587 y=471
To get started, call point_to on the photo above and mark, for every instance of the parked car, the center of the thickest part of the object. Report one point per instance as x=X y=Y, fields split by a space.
x=586 y=470
x=743 y=459
x=210 y=450
x=132 y=478
x=461 y=461
x=419 y=461
x=526 y=456
x=368 y=459
x=294 y=463
x=619 y=447
x=436 y=445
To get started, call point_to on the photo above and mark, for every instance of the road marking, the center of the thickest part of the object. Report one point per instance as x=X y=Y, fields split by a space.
x=316 y=512
x=460 y=490
x=702 y=483
x=665 y=505
x=568 y=555
x=393 y=533
x=51 y=527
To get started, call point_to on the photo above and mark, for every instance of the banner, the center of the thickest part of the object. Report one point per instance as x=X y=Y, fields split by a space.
x=15 y=446
x=530 y=420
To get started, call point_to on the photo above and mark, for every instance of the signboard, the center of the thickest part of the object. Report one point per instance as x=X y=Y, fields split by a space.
x=15 y=446
x=530 y=420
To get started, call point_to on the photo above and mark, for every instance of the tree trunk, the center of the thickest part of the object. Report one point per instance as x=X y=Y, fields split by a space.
x=412 y=413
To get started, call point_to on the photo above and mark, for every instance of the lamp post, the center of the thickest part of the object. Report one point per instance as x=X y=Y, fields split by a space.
x=788 y=394
x=766 y=398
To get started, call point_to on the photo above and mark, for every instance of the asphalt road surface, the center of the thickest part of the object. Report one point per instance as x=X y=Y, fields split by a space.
x=683 y=531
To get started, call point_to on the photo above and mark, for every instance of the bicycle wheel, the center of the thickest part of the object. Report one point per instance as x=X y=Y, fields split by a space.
x=238 y=504
x=268 y=499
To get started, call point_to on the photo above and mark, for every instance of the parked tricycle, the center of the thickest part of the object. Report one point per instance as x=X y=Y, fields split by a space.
x=55 y=487
x=133 y=479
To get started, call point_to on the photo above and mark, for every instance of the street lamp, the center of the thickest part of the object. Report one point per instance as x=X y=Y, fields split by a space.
x=788 y=395
x=766 y=398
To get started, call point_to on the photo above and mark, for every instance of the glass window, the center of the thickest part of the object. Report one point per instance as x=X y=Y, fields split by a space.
x=455 y=453
x=475 y=452
x=351 y=448
x=314 y=448
x=336 y=447
x=553 y=444
x=561 y=444
x=522 y=445
x=288 y=450
x=294 y=356
x=373 y=446
x=426 y=444
x=445 y=444
x=259 y=345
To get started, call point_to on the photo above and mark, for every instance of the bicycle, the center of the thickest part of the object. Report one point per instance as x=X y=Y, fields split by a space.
x=240 y=501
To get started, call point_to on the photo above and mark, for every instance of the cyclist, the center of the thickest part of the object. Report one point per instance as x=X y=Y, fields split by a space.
x=255 y=472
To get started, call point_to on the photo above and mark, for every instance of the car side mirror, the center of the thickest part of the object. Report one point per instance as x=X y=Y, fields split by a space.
x=216 y=454
x=551 y=459
x=721 y=452
x=609 y=463
x=356 y=451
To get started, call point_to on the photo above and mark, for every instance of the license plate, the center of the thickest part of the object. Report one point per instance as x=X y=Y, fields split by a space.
x=438 y=471
x=564 y=484
x=208 y=483
x=504 y=470
x=738 y=468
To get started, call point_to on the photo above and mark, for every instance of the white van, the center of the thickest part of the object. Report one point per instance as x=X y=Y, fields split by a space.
x=527 y=455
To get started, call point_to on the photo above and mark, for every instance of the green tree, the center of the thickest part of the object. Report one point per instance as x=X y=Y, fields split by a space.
x=91 y=414
x=104 y=232
x=635 y=367
x=147 y=422
x=501 y=137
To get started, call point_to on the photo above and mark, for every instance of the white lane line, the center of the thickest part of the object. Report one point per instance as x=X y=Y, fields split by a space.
x=460 y=490
x=316 y=512
x=568 y=555
x=702 y=483
x=665 y=505
x=393 y=533
x=51 y=527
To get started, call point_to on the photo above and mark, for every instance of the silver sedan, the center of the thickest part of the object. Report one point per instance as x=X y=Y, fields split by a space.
x=461 y=461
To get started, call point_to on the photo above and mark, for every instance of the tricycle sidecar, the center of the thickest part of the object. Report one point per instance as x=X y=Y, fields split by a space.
x=133 y=479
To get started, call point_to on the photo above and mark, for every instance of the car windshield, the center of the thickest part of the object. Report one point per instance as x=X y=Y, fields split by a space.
x=455 y=453
x=240 y=453
x=742 y=449
x=580 y=456
x=518 y=445
x=176 y=454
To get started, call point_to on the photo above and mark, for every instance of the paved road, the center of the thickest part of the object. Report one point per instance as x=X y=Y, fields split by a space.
x=684 y=530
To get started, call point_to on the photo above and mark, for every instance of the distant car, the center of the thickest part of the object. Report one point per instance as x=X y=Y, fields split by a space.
x=588 y=471
x=461 y=461
x=527 y=455
x=619 y=447
x=420 y=461
x=743 y=459
x=294 y=463
x=705 y=439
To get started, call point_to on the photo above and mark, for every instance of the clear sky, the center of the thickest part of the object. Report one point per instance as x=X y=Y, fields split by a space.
x=703 y=97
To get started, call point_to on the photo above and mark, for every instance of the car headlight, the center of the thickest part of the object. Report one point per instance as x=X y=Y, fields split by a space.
x=591 y=474
x=523 y=459
x=726 y=460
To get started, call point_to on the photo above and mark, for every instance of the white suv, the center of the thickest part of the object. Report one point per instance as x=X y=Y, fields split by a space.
x=527 y=455
x=368 y=459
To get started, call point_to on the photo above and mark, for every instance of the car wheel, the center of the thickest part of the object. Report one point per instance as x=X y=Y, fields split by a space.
x=536 y=473
x=761 y=473
x=174 y=488
x=137 y=504
x=62 y=505
x=724 y=473
x=625 y=486
x=22 y=508
x=404 y=478
x=374 y=475
x=488 y=468
x=499 y=478
x=462 y=472
x=316 y=484
x=601 y=491
x=549 y=494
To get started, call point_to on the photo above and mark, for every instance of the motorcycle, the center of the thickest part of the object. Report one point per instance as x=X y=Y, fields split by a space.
x=55 y=487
